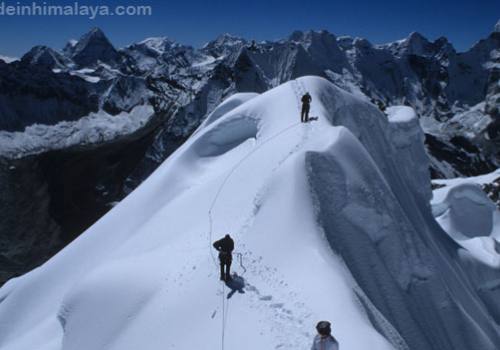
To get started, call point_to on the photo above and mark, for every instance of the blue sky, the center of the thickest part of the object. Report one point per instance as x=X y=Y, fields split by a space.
x=195 y=22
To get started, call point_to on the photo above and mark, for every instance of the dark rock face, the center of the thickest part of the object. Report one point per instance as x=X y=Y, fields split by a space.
x=92 y=47
x=460 y=153
x=44 y=56
x=49 y=199
x=492 y=190
x=33 y=94
x=28 y=234
x=224 y=45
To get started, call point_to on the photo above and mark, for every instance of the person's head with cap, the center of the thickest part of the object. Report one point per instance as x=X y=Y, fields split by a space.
x=324 y=328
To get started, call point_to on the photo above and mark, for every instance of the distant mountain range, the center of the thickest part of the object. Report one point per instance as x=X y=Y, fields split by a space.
x=62 y=167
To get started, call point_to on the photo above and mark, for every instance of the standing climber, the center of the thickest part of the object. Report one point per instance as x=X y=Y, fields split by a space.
x=306 y=106
x=225 y=247
x=324 y=339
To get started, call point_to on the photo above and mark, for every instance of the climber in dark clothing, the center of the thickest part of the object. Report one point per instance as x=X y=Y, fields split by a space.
x=225 y=247
x=306 y=106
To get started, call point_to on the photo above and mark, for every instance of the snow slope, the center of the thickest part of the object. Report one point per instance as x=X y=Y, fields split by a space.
x=331 y=221
x=465 y=212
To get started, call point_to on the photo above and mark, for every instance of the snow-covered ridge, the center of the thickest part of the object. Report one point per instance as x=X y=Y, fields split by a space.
x=327 y=220
x=8 y=59
x=438 y=82
x=93 y=129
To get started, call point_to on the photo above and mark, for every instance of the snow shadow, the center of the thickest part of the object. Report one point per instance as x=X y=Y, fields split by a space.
x=236 y=284
x=226 y=136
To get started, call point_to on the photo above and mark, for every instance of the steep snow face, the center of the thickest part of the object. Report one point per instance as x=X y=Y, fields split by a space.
x=331 y=221
x=466 y=213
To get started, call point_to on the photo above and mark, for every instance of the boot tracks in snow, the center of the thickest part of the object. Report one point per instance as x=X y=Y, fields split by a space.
x=298 y=88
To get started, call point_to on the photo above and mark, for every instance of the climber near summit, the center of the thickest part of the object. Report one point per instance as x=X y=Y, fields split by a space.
x=324 y=339
x=306 y=106
x=225 y=247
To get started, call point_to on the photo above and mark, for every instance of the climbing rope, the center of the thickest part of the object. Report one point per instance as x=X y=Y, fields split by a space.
x=223 y=335
x=231 y=172
x=210 y=218
x=240 y=256
x=296 y=87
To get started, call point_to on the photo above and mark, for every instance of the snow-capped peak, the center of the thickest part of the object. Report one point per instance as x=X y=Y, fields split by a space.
x=156 y=41
x=497 y=27
x=227 y=39
x=224 y=45
x=157 y=44
x=93 y=35
x=8 y=59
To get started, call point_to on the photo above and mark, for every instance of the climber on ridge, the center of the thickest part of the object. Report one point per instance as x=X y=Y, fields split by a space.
x=306 y=106
x=324 y=340
x=225 y=247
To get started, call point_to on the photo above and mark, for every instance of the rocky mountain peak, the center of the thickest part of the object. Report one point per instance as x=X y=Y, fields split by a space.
x=92 y=47
x=224 y=45
x=46 y=57
x=416 y=44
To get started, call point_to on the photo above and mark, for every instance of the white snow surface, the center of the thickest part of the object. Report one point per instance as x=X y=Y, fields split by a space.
x=145 y=276
x=470 y=218
x=228 y=105
x=157 y=44
x=404 y=114
x=84 y=74
x=93 y=129
x=8 y=59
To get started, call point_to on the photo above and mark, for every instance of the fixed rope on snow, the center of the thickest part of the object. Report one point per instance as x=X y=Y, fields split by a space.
x=295 y=84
